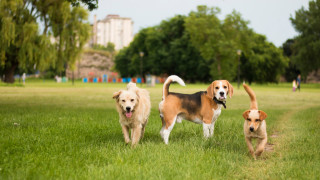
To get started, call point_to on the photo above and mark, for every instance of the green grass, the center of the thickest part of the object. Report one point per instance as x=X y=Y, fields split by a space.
x=60 y=131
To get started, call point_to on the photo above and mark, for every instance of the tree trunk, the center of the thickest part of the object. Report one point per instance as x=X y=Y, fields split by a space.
x=9 y=73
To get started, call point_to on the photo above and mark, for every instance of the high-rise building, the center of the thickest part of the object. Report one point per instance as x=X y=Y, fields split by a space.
x=115 y=29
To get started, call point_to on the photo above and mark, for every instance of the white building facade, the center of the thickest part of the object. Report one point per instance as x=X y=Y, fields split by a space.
x=115 y=29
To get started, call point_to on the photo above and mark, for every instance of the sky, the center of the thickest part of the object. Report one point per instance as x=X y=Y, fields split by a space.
x=268 y=17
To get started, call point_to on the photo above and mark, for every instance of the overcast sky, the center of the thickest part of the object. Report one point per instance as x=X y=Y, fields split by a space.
x=268 y=17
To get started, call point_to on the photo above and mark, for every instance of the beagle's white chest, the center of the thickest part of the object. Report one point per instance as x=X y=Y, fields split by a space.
x=216 y=113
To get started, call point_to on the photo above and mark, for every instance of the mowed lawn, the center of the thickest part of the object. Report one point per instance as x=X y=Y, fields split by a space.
x=60 y=131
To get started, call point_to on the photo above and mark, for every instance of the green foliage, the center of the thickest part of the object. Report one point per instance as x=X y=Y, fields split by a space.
x=23 y=47
x=109 y=48
x=218 y=41
x=167 y=50
x=292 y=70
x=92 y=4
x=306 y=54
x=201 y=47
x=265 y=62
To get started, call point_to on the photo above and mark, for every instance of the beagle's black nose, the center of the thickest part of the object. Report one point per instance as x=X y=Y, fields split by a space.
x=128 y=109
x=251 y=129
x=221 y=93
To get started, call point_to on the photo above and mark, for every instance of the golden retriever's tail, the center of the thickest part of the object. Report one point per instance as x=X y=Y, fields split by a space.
x=254 y=103
x=170 y=79
x=131 y=85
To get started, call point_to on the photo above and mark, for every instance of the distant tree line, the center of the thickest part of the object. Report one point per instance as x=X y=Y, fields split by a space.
x=201 y=47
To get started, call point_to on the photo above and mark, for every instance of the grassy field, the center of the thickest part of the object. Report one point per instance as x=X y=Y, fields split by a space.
x=60 y=131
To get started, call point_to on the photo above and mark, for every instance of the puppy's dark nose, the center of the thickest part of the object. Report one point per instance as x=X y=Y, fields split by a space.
x=251 y=129
x=221 y=93
x=128 y=109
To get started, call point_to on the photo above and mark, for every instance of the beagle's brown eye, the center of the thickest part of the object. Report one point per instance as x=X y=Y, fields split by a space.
x=249 y=119
x=257 y=120
x=132 y=100
x=225 y=87
x=217 y=87
x=123 y=100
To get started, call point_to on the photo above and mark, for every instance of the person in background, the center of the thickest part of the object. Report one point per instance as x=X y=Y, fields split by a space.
x=298 y=82
x=24 y=78
x=294 y=85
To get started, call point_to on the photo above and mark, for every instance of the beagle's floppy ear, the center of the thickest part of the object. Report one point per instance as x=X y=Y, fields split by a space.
x=210 y=92
x=116 y=94
x=263 y=115
x=246 y=114
x=230 y=89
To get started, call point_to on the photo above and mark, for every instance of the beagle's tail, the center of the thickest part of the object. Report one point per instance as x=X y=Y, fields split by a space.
x=253 y=103
x=170 y=79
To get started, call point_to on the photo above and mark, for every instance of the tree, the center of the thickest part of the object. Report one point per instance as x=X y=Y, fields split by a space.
x=167 y=50
x=218 y=40
x=291 y=71
x=71 y=32
x=265 y=62
x=109 y=48
x=92 y=4
x=306 y=54
x=21 y=44
x=201 y=47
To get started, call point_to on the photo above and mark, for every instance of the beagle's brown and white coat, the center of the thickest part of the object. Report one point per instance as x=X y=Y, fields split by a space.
x=203 y=107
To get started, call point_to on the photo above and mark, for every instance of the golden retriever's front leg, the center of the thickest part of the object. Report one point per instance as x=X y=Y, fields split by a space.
x=136 y=134
x=125 y=131
x=142 y=130
x=260 y=146
x=249 y=144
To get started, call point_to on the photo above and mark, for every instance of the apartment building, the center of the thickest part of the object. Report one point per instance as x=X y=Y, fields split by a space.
x=113 y=28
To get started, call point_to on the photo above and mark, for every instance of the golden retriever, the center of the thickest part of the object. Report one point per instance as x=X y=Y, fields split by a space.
x=133 y=106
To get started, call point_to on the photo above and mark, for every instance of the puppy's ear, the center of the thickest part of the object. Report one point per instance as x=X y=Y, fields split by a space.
x=246 y=114
x=210 y=92
x=116 y=95
x=263 y=115
x=230 y=89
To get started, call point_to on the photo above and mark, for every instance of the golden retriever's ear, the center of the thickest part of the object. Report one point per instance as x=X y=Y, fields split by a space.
x=246 y=114
x=137 y=93
x=116 y=94
x=263 y=115
x=230 y=89
x=210 y=93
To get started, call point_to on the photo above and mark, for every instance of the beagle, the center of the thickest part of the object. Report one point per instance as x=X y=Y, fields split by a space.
x=255 y=125
x=203 y=107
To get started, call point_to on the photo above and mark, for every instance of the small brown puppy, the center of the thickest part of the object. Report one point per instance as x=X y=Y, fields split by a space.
x=255 y=125
x=133 y=106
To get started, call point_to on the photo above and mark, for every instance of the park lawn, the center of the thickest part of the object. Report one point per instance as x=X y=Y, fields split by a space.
x=60 y=131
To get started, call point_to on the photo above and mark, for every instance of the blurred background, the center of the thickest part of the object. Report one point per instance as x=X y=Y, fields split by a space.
x=119 y=41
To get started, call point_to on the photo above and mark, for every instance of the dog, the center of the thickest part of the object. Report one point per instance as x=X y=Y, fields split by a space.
x=255 y=125
x=133 y=106
x=203 y=107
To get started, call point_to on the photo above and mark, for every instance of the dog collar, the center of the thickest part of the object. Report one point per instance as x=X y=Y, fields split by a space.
x=220 y=102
